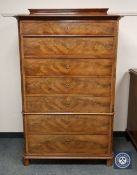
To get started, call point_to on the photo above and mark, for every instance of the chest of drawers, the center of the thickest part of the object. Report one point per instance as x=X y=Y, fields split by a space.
x=68 y=60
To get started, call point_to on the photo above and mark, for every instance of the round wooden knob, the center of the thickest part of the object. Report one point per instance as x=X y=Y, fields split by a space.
x=67 y=66
x=67 y=85
x=67 y=102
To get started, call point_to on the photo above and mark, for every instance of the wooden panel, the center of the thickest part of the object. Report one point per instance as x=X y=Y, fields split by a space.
x=59 y=144
x=69 y=12
x=132 y=107
x=69 y=85
x=67 y=104
x=67 y=28
x=76 y=67
x=55 y=124
x=93 y=47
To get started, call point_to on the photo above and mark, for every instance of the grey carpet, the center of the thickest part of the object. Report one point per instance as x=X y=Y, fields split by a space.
x=11 y=162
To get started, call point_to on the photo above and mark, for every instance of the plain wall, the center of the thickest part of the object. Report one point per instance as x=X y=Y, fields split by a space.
x=10 y=89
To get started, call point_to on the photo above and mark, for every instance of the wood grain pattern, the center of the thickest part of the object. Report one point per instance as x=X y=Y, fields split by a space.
x=95 y=47
x=67 y=124
x=68 y=60
x=67 y=28
x=61 y=144
x=69 y=85
x=67 y=104
x=73 y=67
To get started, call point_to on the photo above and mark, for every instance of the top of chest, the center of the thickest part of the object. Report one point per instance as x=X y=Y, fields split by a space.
x=68 y=22
x=95 y=14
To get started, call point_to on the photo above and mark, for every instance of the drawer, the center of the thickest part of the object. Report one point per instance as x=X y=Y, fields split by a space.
x=69 y=85
x=67 y=144
x=76 y=67
x=61 y=103
x=73 y=46
x=68 y=123
x=67 y=28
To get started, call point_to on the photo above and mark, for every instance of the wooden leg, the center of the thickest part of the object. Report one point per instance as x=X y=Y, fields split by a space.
x=25 y=162
x=109 y=162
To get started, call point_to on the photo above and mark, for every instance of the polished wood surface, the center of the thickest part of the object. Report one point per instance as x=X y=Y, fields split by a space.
x=43 y=104
x=69 y=85
x=67 y=144
x=68 y=124
x=72 y=12
x=46 y=46
x=68 y=62
x=65 y=66
x=68 y=28
x=132 y=107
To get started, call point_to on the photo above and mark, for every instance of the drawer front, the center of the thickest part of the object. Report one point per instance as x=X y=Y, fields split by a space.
x=76 y=67
x=67 y=104
x=67 y=144
x=69 y=85
x=92 y=47
x=68 y=28
x=64 y=124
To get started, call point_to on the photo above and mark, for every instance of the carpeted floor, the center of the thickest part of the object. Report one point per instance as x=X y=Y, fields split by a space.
x=11 y=162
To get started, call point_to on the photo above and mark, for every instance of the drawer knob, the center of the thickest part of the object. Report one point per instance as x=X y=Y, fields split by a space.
x=67 y=141
x=67 y=102
x=67 y=66
x=67 y=85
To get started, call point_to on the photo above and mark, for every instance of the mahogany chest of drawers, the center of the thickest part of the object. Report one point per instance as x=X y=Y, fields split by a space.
x=68 y=61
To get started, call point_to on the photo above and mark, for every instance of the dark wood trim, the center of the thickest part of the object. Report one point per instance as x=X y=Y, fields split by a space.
x=20 y=134
x=11 y=134
x=57 y=17
x=131 y=138
x=98 y=11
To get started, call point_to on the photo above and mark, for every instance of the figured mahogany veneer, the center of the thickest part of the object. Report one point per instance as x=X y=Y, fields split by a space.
x=68 y=59
x=43 y=104
x=69 y=85
x=45 y=46
x=65 y=66
x=68 y=124
x=68 y=28
x=67 y=144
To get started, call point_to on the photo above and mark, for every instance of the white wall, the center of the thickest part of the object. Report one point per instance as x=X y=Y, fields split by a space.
x=10 y=91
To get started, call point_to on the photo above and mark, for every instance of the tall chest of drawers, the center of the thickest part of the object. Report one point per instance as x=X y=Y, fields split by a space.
x=68 y=61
